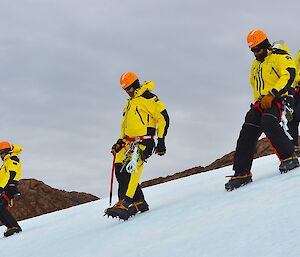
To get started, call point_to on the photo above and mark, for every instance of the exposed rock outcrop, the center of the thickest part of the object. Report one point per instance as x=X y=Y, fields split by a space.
x=38 y=198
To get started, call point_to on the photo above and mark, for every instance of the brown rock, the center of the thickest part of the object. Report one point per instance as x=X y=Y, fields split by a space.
x=38 y=198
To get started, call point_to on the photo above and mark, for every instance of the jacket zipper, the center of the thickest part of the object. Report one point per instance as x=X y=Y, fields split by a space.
x=140 y=115
x=275 y=72
x=126 y=114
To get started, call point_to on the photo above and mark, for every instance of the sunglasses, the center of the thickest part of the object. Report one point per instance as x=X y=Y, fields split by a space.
x=256 y=49
x=128 y=88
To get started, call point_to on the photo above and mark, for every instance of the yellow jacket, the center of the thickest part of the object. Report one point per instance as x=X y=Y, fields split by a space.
x=144 y=114
x=297 y=60
x=275 y=74
x=11 y=169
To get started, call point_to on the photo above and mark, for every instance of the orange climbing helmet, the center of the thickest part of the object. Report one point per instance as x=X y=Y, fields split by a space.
x=255 y=37
x=127 y=79
x=4 y=147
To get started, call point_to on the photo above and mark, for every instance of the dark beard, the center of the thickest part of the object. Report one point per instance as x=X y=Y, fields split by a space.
x=260 y=59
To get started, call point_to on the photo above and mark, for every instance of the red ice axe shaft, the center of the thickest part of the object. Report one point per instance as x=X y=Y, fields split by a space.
x=112 y=179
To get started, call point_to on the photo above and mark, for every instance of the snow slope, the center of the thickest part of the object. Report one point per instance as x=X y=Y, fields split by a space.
x=190 y=217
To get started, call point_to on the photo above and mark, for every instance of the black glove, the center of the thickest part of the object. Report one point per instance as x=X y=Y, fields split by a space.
x=160 y=148
x=117 y=146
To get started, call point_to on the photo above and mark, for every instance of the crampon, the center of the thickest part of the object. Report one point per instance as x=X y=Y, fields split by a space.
x=238 y=181
x=119 y=210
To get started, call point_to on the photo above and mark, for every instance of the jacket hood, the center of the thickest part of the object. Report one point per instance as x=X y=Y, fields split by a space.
x=16 y=149
x=146 y=86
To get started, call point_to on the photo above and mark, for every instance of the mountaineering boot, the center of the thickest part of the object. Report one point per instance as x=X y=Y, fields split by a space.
x=289 y=164
x=138 y=206
x=120 y=210
x=238 y=181
x=12 y=230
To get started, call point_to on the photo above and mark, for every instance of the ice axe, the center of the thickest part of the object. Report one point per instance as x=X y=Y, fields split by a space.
x=112 y=178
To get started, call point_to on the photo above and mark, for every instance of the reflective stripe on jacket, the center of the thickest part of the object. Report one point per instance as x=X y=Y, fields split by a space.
x=276 y=74
x=143 y=111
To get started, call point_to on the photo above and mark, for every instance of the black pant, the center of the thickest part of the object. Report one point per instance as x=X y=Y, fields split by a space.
x=5 y=216
x=293 y=130
x=255 y=123
x=294 y=124
x=123 y=177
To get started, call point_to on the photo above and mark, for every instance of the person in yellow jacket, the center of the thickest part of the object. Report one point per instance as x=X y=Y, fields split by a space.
x=272 y=75
x=144 y=117
x=10 y=174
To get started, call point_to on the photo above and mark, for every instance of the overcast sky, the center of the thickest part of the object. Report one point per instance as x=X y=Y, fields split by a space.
x=60 y=63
